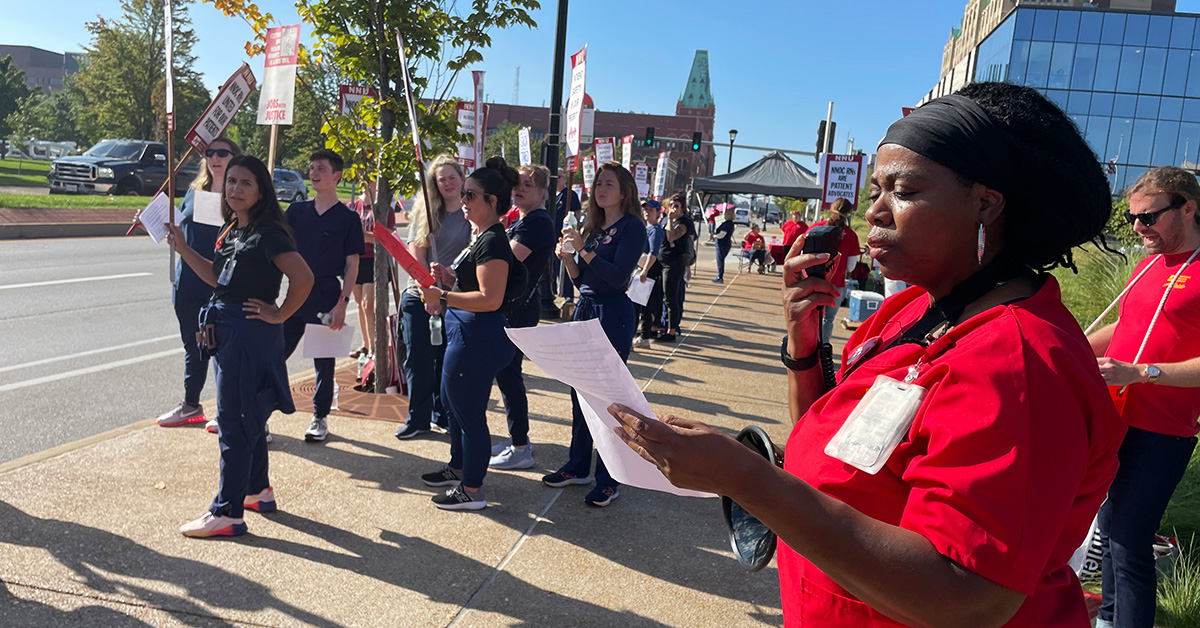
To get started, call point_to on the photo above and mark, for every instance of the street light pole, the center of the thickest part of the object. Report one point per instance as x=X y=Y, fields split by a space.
x=732 y=136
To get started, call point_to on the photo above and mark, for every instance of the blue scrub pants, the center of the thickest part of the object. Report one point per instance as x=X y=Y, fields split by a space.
x=722 y=252
x=293 y=331
x=510 y=381
x=476 y=349
x=251 y=384
x=617 y=320
x=195 y=366
x=1152 y=465
x=422 y=365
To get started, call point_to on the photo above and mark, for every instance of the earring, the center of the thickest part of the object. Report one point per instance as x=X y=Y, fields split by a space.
x=982 y=237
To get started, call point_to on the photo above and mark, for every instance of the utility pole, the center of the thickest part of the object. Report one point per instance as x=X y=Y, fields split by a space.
x=550 y=148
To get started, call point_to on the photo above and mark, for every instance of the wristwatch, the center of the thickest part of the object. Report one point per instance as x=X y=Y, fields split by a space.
x=442 y=300
x=803 y=364
x=346 y=299
x=1152 y=373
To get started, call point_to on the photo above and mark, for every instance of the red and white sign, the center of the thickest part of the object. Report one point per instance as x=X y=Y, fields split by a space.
x=660 y=176
x=401 y=254
x=524 y=147
x=589 y=172
x=606 y=148
x=349 y=97
x=278 y=96
x=627 y=152
x=468 y=122
x=641 y=175
x=169 y=41
x=480 y=117
x=219 y=115
x=575 y=101
x=904 y=111
x=841 y=177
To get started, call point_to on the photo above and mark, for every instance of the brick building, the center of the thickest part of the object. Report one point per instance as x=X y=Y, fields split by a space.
x=694 y=111
x=44 y=70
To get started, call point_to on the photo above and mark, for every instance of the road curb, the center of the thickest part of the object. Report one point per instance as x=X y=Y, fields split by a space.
x=63 y=230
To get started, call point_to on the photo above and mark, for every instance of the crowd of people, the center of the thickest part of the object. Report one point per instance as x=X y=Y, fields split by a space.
x=944 y=476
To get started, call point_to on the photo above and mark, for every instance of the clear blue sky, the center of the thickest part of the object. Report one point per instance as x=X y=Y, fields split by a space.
x=774 y=64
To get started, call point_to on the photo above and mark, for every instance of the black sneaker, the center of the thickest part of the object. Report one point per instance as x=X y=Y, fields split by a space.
x=601 y=496
x=559 y=479
x=665 y=338
x=443 y=477
x=458 y=498
x=408 y=431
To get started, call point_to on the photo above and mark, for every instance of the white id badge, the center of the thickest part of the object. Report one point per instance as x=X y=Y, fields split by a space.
x=873 y=430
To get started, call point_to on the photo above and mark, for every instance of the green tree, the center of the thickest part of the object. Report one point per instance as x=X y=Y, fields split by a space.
x=123 y=83
x=49 y=117
x=316 y=98
x=506 y=140
x=13 y=92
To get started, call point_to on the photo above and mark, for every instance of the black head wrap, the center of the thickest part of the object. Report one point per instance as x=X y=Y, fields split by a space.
x=959 y=134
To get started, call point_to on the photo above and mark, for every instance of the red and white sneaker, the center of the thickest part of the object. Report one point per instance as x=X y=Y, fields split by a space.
x=183 y=414
x=261 y=502
x=211 y=426
x=212 y=525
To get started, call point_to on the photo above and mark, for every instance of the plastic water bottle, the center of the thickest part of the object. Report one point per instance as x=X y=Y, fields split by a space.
x=571 y=223
x=435 y=330
x=326 y=318
x=333 y=406
x=362 y=363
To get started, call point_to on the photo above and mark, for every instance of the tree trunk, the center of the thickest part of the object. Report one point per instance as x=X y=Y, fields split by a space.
x=383 y=197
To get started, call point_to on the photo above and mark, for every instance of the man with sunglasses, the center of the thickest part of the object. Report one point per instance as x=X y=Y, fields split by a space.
x=329 y=237
x=1150 y=359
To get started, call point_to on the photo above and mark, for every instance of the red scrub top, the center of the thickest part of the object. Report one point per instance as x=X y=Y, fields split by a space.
x=792 y=230
x=1003 y=469
x=849 y=249
x=1176 y=337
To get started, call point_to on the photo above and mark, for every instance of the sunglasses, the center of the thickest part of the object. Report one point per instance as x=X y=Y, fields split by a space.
x=469 y=195
x=217 y=152
x=1149 y=218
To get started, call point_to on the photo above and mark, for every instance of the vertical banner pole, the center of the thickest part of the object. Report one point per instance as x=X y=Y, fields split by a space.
x=169 y=45
x=271 y=149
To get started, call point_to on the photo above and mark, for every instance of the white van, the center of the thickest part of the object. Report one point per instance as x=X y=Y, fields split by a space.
x=741 y=216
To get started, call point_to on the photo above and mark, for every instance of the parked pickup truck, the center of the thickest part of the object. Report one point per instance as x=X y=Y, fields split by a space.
x=121 y=167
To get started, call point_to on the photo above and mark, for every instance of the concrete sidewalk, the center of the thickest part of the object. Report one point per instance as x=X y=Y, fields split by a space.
x=89 y=535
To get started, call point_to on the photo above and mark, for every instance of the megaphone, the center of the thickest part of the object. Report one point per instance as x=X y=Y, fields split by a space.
x=753 y=543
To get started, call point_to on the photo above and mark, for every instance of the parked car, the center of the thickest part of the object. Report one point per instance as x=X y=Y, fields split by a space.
x=122 y=167
x=774 y=215
x=741 y=216
x=290 y=186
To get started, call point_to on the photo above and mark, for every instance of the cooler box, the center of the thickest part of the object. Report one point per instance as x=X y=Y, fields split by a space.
x=863 y=304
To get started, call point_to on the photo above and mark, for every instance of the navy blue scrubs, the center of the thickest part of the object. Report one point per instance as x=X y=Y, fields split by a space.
x=188 y=294
x=602 y=284
x=324 y=241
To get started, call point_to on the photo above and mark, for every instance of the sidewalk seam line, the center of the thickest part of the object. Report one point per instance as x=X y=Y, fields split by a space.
x=500 y=567
x=687 y=335
x=133 y=603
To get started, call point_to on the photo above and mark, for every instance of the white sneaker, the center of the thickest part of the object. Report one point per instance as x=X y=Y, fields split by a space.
x=513 y=458
x=317 y=430
x=211 y=426
x=641 y=342
x=499 y=448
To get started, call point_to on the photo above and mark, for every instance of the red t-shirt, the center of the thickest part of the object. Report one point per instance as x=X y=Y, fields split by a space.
x=1004 y=467
x=1176 y=337
x=792 y=230
x=849 y=249
x=366 y=215
x=750 y=239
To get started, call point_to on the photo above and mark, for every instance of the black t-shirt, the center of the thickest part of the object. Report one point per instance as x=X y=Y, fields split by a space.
x=255 y=275
x=726 y=228
x=489 y=245
x=536 y=232
x=681 y=249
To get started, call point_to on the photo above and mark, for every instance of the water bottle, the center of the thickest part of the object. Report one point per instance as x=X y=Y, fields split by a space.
x=326 y=318
x=362 y=363
x=333 y=406
x=570 y=223
x=435 y=330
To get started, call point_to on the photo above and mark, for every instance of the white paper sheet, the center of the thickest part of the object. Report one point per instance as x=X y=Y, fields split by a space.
x=155 y=215
x=600 y=380
x=322 y=342
x=206 y=208
x=639 y=291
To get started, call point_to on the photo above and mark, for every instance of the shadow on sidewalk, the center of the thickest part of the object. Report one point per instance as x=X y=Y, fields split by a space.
x=91 y=554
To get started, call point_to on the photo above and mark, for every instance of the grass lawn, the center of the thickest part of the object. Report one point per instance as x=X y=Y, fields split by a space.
x=32 y=172
x=57 y=201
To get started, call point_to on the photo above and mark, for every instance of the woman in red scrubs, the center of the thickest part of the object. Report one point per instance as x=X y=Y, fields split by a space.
x=1006 y=437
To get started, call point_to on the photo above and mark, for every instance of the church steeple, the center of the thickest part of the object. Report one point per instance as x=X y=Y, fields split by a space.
x=696 y=94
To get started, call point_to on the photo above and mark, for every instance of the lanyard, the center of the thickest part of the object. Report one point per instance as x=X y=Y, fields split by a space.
x=221 y=238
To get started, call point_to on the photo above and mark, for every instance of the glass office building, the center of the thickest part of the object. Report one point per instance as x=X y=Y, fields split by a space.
x=1131 y=81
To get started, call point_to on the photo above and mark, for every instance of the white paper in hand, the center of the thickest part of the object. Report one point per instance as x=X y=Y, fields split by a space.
x=155 y=215
x=600 y=380
x=206 y=208
x=322 y=342
x=639 y=291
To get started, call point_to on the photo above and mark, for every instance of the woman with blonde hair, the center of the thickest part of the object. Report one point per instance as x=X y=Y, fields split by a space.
x=606 y=252
x=438 y=241
x=189 y=293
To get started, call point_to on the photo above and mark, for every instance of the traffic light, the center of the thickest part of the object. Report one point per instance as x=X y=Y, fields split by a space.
x=696 y=140
x=821 y=135
x=649 y=136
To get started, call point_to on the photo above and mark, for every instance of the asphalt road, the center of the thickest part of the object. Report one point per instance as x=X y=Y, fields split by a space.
x=88 y=340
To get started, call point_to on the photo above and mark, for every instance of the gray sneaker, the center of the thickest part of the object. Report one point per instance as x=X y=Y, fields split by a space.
x=317 y=430
x=513 y=458
x=499 y=448
x=183 y=414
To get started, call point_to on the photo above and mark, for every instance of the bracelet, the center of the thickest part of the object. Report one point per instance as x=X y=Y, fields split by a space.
x=803 y=364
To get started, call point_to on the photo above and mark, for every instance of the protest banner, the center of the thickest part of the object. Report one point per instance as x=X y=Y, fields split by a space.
x=350 y=96
x=641 y=174
x=480 y=117
x=589 y=172
x=575 y=101
x=605 y=149
x=401 y=254
x=840 y=176
x=278 y=95
x=465 y=153
x=213 y=122
x=524 y=147
x=627 y=152
x=660 y=176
